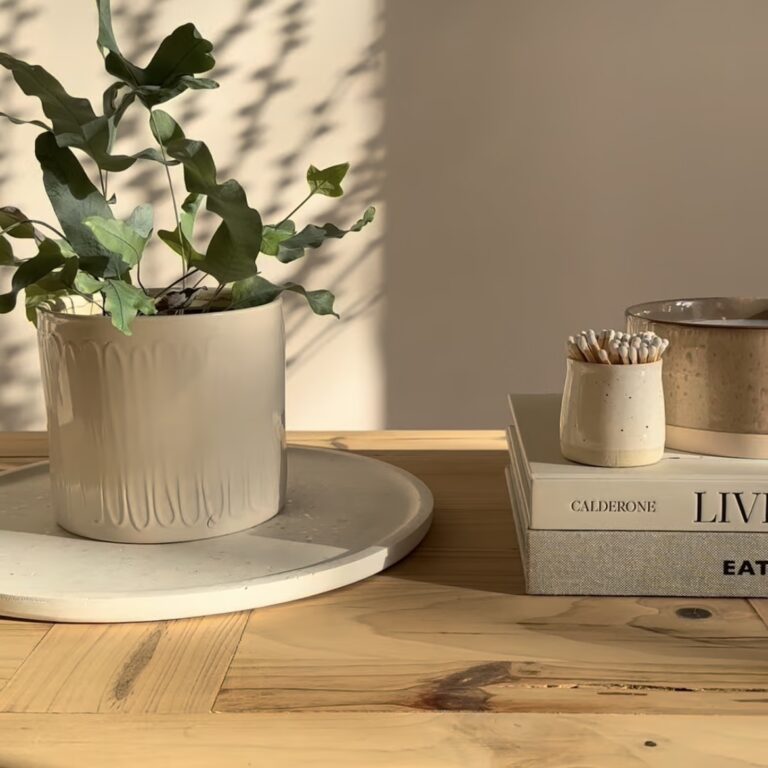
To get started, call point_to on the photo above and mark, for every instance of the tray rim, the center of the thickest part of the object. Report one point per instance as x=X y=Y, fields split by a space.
x=352 y=567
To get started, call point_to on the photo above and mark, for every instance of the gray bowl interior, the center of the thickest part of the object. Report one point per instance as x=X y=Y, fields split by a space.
x=722 y=312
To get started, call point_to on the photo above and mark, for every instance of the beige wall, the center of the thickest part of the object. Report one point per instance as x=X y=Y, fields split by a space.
x=547 y=163
x=551 y=162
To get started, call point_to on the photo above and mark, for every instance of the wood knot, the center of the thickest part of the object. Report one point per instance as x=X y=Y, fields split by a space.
x=464 y=691
x=693 y=613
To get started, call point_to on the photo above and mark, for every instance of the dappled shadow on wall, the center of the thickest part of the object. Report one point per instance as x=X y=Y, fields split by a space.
x=357 y=79
x=306 y=335
x=18 y=390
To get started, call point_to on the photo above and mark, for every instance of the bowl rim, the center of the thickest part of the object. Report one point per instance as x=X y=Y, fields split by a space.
x=636 y=310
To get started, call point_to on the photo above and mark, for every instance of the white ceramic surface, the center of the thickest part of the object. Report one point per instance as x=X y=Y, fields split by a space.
x=173 y=433
x=346 y=517
x=725 y=444
x=613 y=415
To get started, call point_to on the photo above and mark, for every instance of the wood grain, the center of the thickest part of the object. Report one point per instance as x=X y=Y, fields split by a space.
x=491 y=687
x=17 y=445
x=398 y=645
x=472 y=543
x=17 y=641
x=415 y=740
x=20 y=445
x=138 y=668
x=760 y=607
x=441 y=661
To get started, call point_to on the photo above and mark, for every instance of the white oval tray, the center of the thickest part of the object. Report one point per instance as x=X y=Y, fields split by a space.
x=347 y=517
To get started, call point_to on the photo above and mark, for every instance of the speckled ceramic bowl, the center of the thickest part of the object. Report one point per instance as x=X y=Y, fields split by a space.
x=715 y=372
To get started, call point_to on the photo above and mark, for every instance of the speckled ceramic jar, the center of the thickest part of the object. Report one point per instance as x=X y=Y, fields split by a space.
x=715 y=372
x=612 y=415
x=171 y=434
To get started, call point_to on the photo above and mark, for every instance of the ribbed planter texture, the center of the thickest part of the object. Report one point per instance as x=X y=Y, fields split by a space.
x=173 y=433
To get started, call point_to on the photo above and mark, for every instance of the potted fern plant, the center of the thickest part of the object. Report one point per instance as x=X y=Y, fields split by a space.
x=165 y=405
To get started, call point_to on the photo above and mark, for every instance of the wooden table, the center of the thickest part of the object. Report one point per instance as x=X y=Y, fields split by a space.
x=442 y=661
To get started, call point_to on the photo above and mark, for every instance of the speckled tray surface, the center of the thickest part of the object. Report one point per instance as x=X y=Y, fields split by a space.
x=347 y=517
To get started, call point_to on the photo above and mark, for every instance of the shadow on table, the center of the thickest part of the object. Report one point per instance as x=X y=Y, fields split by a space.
x=472 y=542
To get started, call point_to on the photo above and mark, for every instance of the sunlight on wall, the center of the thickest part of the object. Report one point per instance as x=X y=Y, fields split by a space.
x=300 y=84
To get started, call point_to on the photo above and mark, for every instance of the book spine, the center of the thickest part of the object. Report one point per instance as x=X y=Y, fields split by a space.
x=520 y=470
x=521 y=524
x=646 y=563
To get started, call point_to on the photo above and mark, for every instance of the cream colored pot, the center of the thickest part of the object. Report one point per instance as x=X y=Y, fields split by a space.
x=613 y=415
x=171 y=434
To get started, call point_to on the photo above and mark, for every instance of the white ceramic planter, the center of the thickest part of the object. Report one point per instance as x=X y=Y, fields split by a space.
x=613 y=415
x=172 y=434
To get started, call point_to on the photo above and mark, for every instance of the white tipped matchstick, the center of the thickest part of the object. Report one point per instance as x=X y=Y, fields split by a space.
x=592 y=341
x=605 y=337
x=610 y=347
x=624 y=353
x=585 y=350
x=653 y=352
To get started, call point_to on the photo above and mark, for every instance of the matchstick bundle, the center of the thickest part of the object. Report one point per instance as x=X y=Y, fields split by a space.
x=616 y=348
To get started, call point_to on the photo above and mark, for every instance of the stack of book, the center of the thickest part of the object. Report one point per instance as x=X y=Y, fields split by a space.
x=690 y=525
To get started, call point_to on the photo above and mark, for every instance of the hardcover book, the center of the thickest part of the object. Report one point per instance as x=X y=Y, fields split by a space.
x=639 y=563
x=683 y=492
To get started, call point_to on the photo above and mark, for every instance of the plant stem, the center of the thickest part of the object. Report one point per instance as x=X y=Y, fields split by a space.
x=35 y=221
x=103 y=185
x=178 y=280
x=199 y=281
x=192 y=293
x=213 y=298
x=138 y=276
x=91 y=300
x=305 y=200
x=173 y=196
